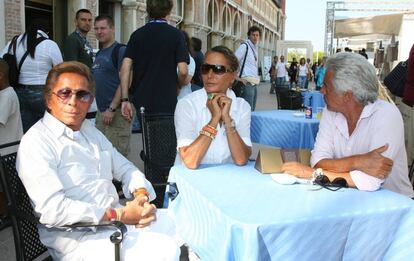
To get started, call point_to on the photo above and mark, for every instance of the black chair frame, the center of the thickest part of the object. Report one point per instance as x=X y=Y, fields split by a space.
x=159 y=150
x=26 y=238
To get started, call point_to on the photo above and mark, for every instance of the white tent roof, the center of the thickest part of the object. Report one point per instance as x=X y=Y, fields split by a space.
x=375 y=25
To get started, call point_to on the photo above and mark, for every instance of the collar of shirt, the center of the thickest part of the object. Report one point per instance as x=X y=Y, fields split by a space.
x=42 y=34
x=59 y=129
x=341 y=123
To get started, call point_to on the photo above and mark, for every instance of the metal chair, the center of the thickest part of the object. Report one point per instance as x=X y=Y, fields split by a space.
x=24 y=223
x=159 y=150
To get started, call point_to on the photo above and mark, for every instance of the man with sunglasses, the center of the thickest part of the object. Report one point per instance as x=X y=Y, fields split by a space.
x=360 y=137
x=248 y=54
x=67 y=167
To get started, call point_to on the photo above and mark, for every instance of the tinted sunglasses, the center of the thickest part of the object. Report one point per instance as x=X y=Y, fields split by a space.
x=217 y=68
x=65 y=95
x=333 y=185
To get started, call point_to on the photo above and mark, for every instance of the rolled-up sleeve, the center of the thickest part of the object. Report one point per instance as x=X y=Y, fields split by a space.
x=243 y=124
x=184 y=120
x=364 y=181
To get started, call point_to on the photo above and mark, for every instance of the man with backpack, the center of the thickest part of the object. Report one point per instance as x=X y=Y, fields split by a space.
x=105 y=69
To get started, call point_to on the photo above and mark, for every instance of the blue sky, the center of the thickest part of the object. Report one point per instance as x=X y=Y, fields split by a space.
x=306 y=20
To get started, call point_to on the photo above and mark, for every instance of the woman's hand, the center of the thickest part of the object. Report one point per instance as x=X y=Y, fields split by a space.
x=214 y=107
x=225 y=105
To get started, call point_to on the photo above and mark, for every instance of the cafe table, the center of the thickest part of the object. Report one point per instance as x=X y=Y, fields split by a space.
x=283 y=129
x=227 y=212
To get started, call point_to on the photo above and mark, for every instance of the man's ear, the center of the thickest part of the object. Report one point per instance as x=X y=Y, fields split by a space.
x=349 y=95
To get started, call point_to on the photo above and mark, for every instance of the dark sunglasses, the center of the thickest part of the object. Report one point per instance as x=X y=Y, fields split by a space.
x=65 y=95
x=217 y=68
x=333 y=185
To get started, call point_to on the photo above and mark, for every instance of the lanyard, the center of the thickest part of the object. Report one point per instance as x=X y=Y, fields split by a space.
x=158 y=21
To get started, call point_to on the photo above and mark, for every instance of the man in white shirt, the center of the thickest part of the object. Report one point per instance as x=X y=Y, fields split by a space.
x=67 y=167
x=10 y=121
x=360 y=138
x=250 y=74
x=281 y=72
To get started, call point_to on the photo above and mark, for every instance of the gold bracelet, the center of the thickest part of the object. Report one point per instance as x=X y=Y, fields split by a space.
x=119 y=213
x=141 y=191
x=205 y=133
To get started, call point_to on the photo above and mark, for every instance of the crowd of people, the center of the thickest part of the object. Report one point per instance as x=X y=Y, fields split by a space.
x=67 y=164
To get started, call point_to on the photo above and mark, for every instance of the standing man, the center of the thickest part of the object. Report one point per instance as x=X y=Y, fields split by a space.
x=281 y=72
x=199 y=59
x=272 y=73
x=154 y=52
x=77 y=48
x=250 y=73
x=406 y=107
x=105 y=69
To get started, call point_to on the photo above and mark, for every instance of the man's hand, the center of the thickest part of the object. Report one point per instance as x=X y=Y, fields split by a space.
x=137 y=214
x=126 y=110
x=374 y=164
x=297 y=169
x=107 y=117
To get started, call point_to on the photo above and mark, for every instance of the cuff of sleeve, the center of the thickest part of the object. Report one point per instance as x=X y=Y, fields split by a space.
x=364 y=181
x=141 y=182
x=183 y=143
x=247 y=141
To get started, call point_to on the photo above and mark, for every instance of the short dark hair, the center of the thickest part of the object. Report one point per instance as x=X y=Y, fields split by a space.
x=253 y=29
x=105 y=17
x=228 y=54
x=83 y=10
x=159 y=8
x=67 y=67
x=197 y=44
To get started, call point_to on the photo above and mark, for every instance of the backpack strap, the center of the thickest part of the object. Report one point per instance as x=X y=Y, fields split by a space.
x=115 y=54
x=13 y=44
x=38 y=41
x=244 y=60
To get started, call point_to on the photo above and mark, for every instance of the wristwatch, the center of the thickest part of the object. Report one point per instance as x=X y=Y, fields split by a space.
x=111 y=109
x=124 y=99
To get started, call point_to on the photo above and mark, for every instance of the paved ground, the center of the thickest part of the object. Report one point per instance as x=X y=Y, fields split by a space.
x=265 y=101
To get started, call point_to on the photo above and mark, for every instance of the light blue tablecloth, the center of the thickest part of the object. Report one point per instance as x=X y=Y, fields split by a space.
x=317 y=100
x=280 y=128
x=235 y=213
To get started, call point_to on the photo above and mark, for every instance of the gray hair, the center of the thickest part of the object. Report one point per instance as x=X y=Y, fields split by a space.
x=351 y=71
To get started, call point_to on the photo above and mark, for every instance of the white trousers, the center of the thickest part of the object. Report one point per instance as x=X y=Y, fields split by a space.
x=156 y=242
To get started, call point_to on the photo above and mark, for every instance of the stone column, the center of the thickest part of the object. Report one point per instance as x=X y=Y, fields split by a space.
x=129 y=19
x=2 y=25
x=216 y=38
x=73 y=6
x=229 y=41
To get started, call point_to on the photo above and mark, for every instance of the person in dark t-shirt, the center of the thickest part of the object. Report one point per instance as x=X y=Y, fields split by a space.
x=154 y=52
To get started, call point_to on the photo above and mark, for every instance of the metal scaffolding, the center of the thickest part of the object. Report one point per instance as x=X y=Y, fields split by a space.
x=358 y=6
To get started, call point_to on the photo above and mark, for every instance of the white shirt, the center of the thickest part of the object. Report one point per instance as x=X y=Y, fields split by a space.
x=186 y=89
x=281 y=69
x=34 y=71
x=10 y=120
x=303 y=70
x=252 y=60
x=380 y=123
x=68 y=176
x=192 y=114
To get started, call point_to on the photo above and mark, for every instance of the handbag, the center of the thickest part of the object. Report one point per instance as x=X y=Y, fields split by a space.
x=395 y=80
x=237 y=85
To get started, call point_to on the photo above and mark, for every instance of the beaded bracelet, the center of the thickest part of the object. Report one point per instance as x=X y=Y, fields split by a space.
x=210 y=130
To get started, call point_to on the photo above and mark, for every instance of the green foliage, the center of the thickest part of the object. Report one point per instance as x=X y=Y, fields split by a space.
x=318 y=55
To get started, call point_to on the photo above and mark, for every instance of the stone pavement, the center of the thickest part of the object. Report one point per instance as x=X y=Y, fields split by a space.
x=265 y=101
